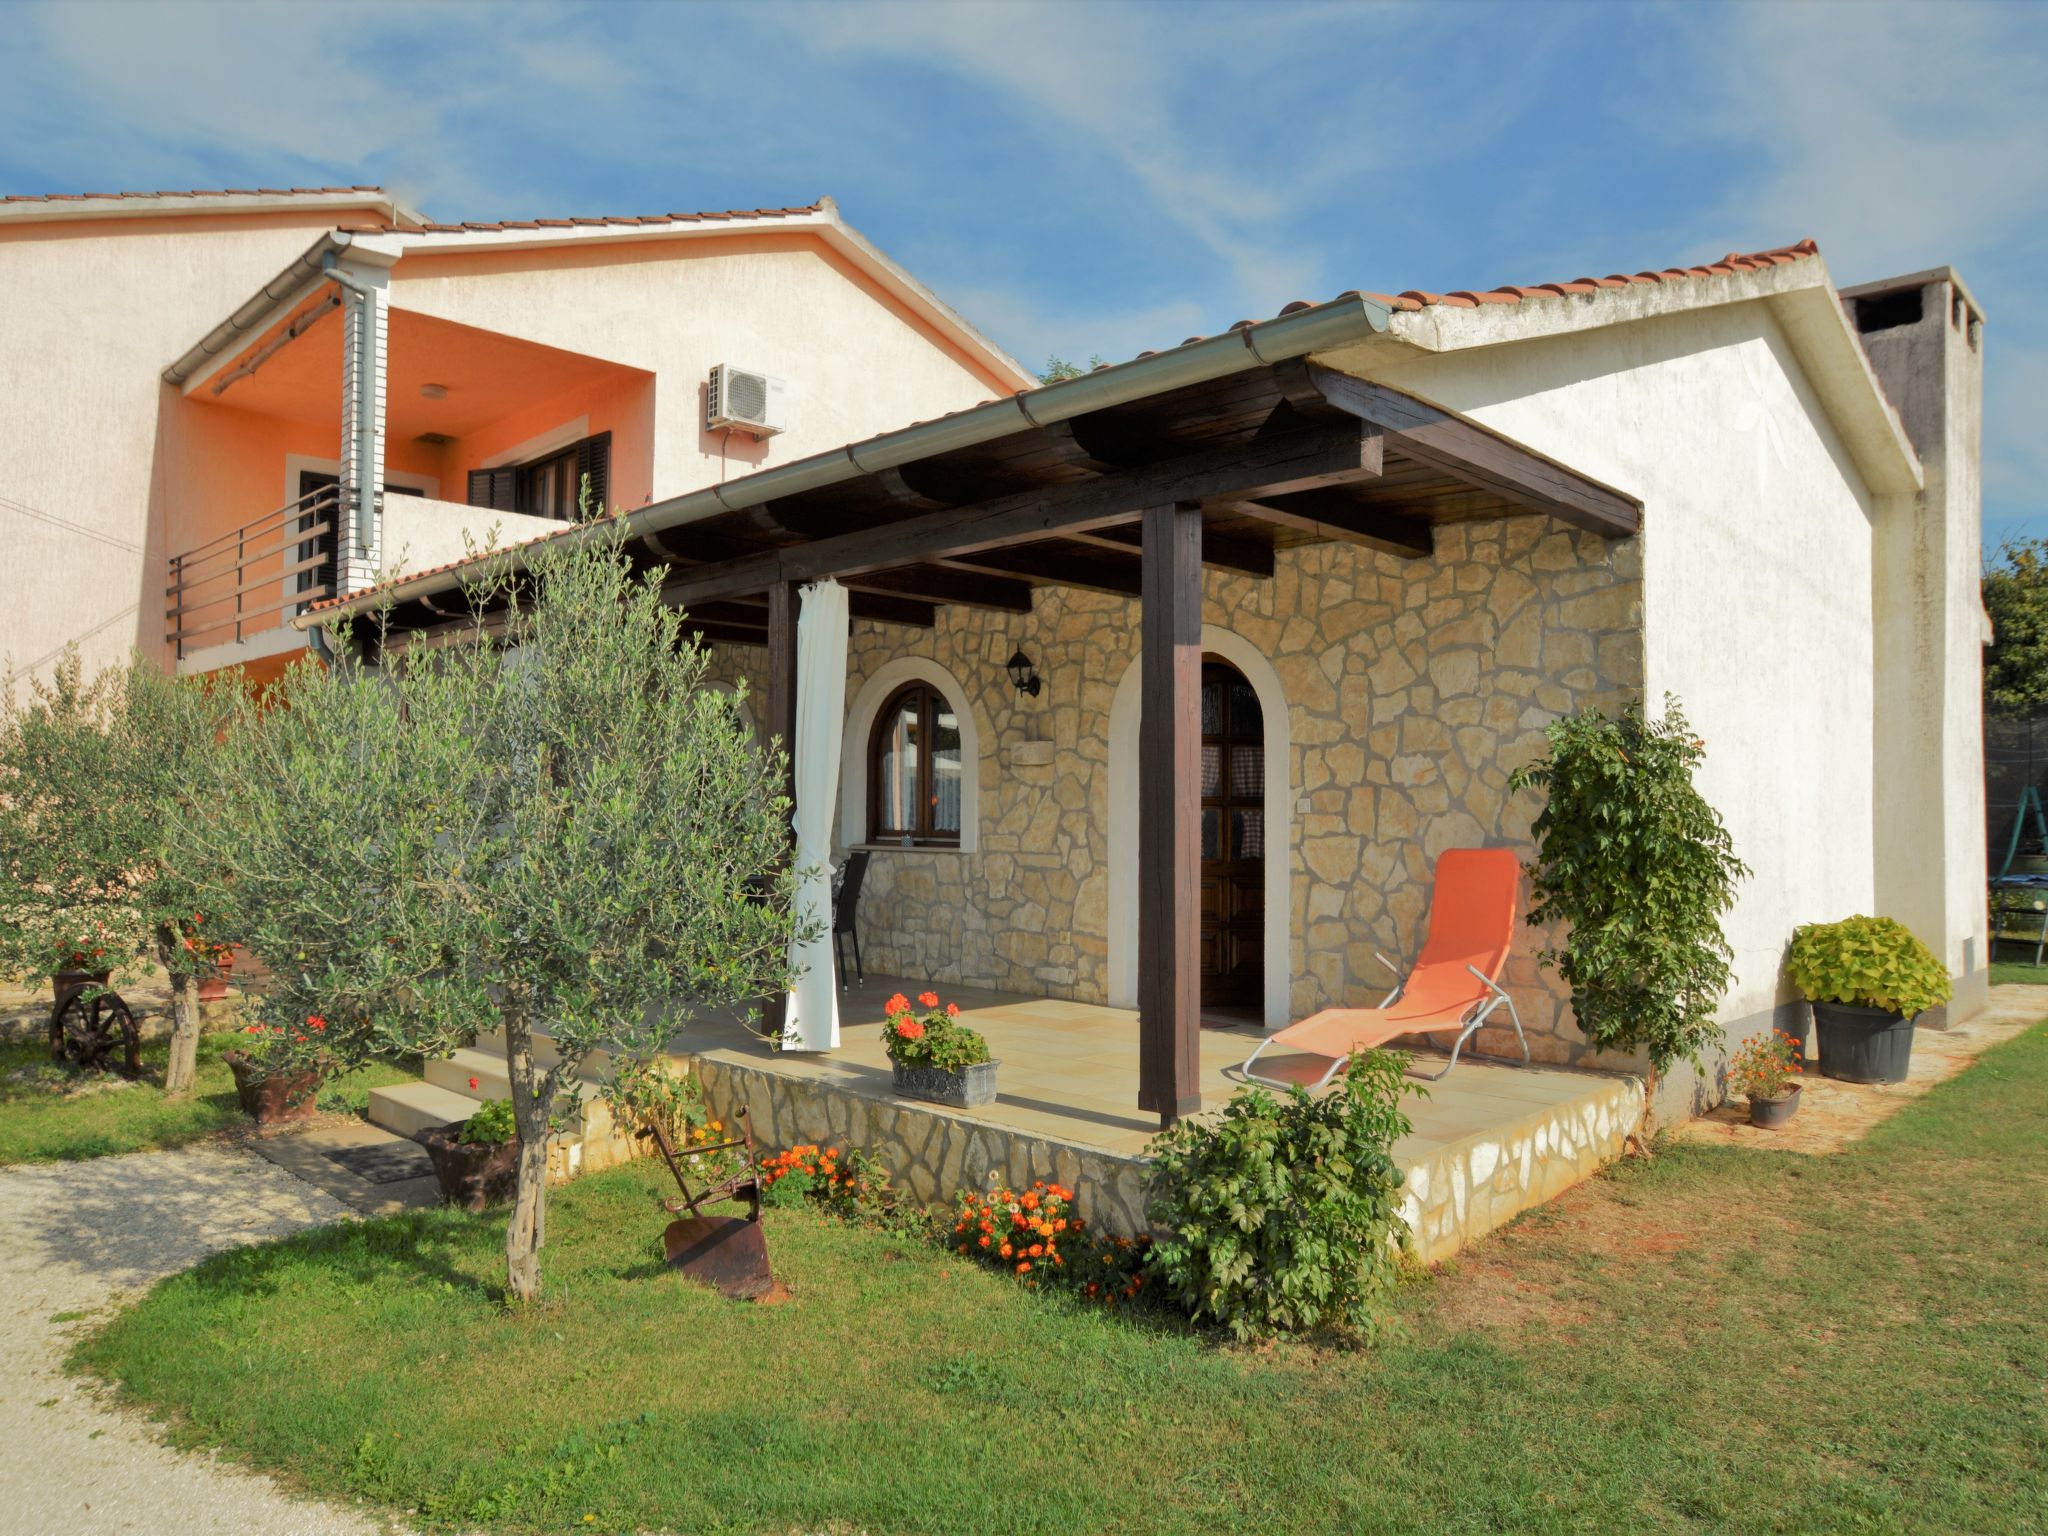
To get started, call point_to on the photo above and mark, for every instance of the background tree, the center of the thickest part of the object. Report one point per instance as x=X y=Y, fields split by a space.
x=2015 y=587
x=1632 y=856
x=558 y=829
x=94 y=774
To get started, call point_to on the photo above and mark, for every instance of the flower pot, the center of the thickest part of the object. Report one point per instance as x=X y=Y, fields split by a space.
x=1769 y=1114
x=1862 y=1045
x=472 y=1175
x=269 y=1097
x=964 y=1089
x=214 y=988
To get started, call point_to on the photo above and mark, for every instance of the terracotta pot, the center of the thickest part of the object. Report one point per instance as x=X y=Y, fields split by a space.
x=269 y=1097
x=213 y=988
x=1769 y=1114
x=472 y=1176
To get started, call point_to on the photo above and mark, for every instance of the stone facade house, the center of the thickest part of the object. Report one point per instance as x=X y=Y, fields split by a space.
x=1357 y=557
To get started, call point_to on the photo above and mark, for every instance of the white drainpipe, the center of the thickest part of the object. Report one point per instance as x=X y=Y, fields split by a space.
x=362 y=468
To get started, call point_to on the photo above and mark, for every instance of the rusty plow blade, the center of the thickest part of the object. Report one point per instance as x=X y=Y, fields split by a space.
x=727 y=1253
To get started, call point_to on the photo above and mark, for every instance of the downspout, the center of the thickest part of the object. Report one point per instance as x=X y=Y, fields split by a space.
x=365 y=400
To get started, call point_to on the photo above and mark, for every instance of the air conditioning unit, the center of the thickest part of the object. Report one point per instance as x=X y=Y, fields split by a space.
x=743 y=402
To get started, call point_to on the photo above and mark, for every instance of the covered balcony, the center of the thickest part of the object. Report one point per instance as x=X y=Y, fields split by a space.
x=477 y=438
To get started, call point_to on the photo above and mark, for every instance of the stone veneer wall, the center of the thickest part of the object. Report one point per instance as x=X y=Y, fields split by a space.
x=1413 y=688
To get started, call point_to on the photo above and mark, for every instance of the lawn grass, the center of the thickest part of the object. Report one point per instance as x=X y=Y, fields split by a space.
x=40 y=1127
x=1716 y=1339
x=2007 y=972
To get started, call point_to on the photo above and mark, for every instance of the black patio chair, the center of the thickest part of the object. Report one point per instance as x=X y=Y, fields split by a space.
x=845 y=905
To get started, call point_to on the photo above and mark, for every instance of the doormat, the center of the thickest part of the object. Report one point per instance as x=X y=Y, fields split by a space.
x=385 y=1162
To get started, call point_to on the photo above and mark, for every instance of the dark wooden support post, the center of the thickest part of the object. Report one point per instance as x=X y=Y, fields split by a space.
x=778 y=720
x=1169 y=810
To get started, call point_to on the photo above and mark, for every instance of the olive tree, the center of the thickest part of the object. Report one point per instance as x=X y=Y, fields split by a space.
x=95 y=773
x=543 y=822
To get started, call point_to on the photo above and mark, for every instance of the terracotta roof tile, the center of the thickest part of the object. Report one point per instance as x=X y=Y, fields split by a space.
x=714 y=216
x=82 y=197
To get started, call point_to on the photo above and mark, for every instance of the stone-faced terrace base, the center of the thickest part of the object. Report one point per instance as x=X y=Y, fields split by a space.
x=1490 y=1141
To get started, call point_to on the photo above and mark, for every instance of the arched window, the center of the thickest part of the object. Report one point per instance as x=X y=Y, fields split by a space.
x=914 y=769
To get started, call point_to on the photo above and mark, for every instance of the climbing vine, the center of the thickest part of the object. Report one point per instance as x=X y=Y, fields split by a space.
x=1632 y=856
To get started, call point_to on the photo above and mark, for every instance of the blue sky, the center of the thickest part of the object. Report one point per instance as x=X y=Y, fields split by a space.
x=1091 y=179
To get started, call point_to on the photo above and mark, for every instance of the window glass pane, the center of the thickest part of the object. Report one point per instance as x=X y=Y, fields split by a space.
x=946 y=770
x=1212 y=708
x=1212 y=770
x=1247 y=772
x=896 y=770
x=1248 y=834
x=1212 y=834
x=1245 y=719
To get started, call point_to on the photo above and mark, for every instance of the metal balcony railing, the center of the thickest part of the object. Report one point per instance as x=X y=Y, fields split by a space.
x=254 y=577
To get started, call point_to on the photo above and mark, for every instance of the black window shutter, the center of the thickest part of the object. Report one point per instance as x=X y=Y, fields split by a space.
x=497 y=489
x=594 y=459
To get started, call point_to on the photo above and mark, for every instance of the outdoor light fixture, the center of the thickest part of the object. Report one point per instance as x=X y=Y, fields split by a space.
x=1024 y=675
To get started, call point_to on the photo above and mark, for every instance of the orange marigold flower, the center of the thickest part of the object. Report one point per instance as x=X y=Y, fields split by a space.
x=984 y=1239
x=1004 y=1250
x=1024 y=1268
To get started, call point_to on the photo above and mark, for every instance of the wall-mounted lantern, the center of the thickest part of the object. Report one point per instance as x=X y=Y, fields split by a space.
x=1024 y=675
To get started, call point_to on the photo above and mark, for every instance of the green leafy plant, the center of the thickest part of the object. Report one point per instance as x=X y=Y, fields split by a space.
x=96 y=775
x=492 y=1125
x=2015 y=592
x=1766 y=1067
x=1632 y=856
x=1283 y=1214
x=930 y=1035
x=1869 y=962
x=542 y=821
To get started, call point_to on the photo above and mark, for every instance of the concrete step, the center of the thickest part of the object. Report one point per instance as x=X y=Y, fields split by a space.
x=407 y=1108
x=456 y=1072
x=595 y=1068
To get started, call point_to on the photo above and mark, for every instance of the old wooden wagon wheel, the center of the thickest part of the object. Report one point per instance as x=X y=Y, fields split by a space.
x=94 y=1031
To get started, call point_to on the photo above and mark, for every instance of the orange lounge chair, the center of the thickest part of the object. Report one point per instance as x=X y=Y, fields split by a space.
x=1456 y=981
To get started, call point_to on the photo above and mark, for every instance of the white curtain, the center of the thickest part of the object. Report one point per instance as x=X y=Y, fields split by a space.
x=812 y=1021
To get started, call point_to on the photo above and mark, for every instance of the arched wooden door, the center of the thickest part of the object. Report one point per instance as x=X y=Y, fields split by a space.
x=1233 y=839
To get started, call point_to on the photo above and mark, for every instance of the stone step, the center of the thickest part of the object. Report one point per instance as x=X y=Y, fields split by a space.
x=595 y=1068
x=487 y=1069
x=407 y=1108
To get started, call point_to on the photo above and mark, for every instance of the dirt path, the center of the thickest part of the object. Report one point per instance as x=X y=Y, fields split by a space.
x=80 y=1237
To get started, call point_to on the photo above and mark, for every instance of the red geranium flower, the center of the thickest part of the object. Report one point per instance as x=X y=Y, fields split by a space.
x=910 y=1029
x=897 y=1004
x=952 y=1010
x=929 y=999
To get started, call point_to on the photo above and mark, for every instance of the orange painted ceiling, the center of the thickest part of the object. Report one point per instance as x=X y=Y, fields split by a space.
x=488 y=376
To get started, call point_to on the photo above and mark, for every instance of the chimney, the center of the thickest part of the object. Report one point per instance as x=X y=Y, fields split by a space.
x=1924 y=335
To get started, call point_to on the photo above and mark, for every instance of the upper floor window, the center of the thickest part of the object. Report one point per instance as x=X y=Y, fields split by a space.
x=549 y=486
x=915 y=777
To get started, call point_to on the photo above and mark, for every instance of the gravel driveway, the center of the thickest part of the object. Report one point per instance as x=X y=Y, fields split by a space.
x=81 y=1236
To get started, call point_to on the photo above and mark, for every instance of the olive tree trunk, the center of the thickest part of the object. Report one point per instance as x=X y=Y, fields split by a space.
x=181 y=1071
x=527 y=1231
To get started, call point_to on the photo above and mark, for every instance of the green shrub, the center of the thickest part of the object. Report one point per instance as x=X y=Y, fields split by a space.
x=1283 y=1215
x=1632 y=856
x=1870 y=962
x=492 y=1125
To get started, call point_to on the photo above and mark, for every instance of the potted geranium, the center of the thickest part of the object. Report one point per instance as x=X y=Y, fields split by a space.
x=934 y=1055
x=279 y=1070
x=1868 y=979
x=1767 y=1070
x=476 y=1160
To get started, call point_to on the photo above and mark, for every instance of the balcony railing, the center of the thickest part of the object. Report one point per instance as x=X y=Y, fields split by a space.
x=252 y=578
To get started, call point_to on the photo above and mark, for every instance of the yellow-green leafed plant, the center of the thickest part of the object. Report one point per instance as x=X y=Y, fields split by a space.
x=1869 y=962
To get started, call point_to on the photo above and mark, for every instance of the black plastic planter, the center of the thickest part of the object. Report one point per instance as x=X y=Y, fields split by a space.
x=1862 y=1045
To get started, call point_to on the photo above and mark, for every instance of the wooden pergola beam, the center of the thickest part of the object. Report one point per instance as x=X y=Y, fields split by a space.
x=1336 y=516
x=1245 y=557
x=1314 y=457
x=1169 y=814
x=1065 y=563
x=1469 y=452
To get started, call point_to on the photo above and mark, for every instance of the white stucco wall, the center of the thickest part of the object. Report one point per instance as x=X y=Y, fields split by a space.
x=420 y=532
x=1758 y=607
x=853 y=363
